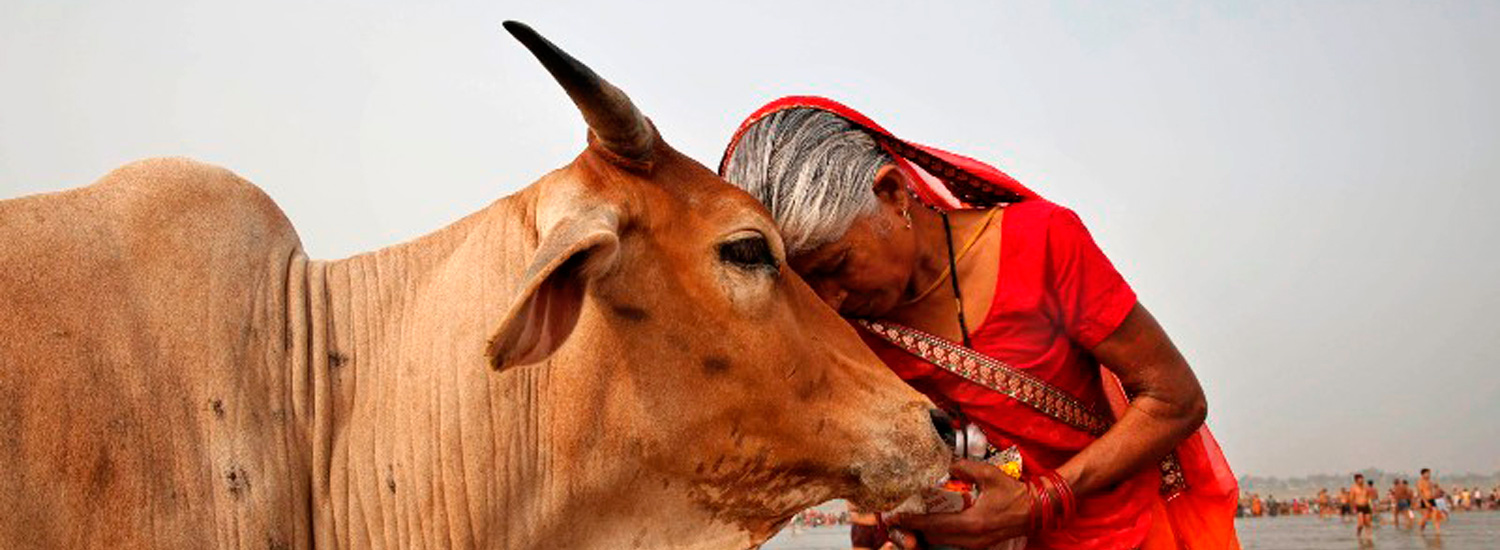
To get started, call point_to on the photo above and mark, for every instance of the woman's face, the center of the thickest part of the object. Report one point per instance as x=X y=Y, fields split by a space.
x=866 y=272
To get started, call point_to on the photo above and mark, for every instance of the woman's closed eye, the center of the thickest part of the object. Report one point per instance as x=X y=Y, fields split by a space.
x=835 y=267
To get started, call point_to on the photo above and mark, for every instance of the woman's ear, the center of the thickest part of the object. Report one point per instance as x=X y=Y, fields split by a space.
x=890 y=187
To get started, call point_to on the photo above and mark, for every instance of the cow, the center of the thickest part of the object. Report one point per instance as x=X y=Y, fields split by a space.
x=615 y=356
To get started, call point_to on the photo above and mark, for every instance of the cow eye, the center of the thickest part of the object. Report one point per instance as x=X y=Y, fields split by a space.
x=748 y=253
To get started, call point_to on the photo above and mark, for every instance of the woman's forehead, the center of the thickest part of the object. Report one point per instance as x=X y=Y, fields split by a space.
x=862 y=234
x=816 y=257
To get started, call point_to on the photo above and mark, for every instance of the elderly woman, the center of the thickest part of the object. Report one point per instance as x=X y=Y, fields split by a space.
x=998 y=306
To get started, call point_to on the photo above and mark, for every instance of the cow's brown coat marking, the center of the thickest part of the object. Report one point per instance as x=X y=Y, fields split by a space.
x=715 y=364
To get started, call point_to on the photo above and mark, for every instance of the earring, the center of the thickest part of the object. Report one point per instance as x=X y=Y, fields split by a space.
x=907 y=215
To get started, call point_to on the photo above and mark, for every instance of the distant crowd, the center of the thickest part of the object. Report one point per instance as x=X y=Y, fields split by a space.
x=1461 y=499
x=813 y=517
x=1366 y=503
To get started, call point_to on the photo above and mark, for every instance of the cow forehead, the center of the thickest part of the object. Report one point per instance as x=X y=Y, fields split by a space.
x=676 y=191
x=706 y=193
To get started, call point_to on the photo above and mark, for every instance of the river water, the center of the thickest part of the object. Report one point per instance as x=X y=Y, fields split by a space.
x=1463 y=531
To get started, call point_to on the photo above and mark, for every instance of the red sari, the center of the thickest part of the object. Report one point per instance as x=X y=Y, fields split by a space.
x=1057 y=296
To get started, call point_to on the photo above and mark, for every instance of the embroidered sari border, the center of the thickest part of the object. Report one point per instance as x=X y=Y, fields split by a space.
x=993 y=374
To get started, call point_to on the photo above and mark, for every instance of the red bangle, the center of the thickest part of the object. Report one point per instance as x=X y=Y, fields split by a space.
x=1041 y=508
x=1053 y=503
x=1065 y=497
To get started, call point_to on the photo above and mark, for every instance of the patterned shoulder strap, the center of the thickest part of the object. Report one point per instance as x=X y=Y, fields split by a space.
x=993 y=374
x=1013 y=383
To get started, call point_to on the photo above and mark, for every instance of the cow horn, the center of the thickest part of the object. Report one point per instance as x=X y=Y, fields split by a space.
x=611 y=116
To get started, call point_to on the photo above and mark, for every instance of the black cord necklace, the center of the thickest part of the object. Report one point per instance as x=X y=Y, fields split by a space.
x=961 y=421
x=958 y=296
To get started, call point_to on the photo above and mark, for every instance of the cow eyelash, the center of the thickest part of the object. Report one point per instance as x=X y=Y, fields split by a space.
x=749 y=253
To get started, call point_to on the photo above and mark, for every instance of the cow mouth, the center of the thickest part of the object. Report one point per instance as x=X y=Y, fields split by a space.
x=886 y=483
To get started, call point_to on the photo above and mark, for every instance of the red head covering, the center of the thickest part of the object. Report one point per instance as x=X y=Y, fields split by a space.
x=939 y=179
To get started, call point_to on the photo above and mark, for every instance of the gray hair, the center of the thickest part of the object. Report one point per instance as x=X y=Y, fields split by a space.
x=812 y=169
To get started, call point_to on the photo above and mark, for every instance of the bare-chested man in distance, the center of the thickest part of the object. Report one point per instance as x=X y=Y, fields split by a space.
x=1427 y=494
x=1359 y=497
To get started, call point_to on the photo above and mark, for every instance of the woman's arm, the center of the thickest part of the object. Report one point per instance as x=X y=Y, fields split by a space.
x=1166 y=405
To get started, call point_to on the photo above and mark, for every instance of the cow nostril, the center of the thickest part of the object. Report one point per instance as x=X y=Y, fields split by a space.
x=944 y=426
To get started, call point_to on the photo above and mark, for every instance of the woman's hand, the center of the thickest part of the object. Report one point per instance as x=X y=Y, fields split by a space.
x=1002 y=511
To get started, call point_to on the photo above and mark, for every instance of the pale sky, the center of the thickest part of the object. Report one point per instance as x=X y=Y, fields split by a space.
x=1301 y=191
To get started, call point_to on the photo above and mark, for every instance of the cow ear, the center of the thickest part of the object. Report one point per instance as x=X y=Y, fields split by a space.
x=578 y=249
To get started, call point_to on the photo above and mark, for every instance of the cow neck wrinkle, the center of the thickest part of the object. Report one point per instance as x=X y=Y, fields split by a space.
x=379 y=376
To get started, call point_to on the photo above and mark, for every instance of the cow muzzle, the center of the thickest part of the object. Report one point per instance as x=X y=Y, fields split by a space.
x=908 y=458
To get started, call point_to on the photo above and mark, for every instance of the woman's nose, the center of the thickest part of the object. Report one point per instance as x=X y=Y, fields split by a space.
x=832 y=295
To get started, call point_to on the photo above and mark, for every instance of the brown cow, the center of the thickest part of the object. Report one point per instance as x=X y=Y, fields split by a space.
x=615 y=356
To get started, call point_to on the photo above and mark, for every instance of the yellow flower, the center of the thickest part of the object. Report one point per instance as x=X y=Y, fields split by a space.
x=1012 y=469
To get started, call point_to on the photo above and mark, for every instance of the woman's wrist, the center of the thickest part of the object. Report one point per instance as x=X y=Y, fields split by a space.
x=1073 y=473
x=1053 y=503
